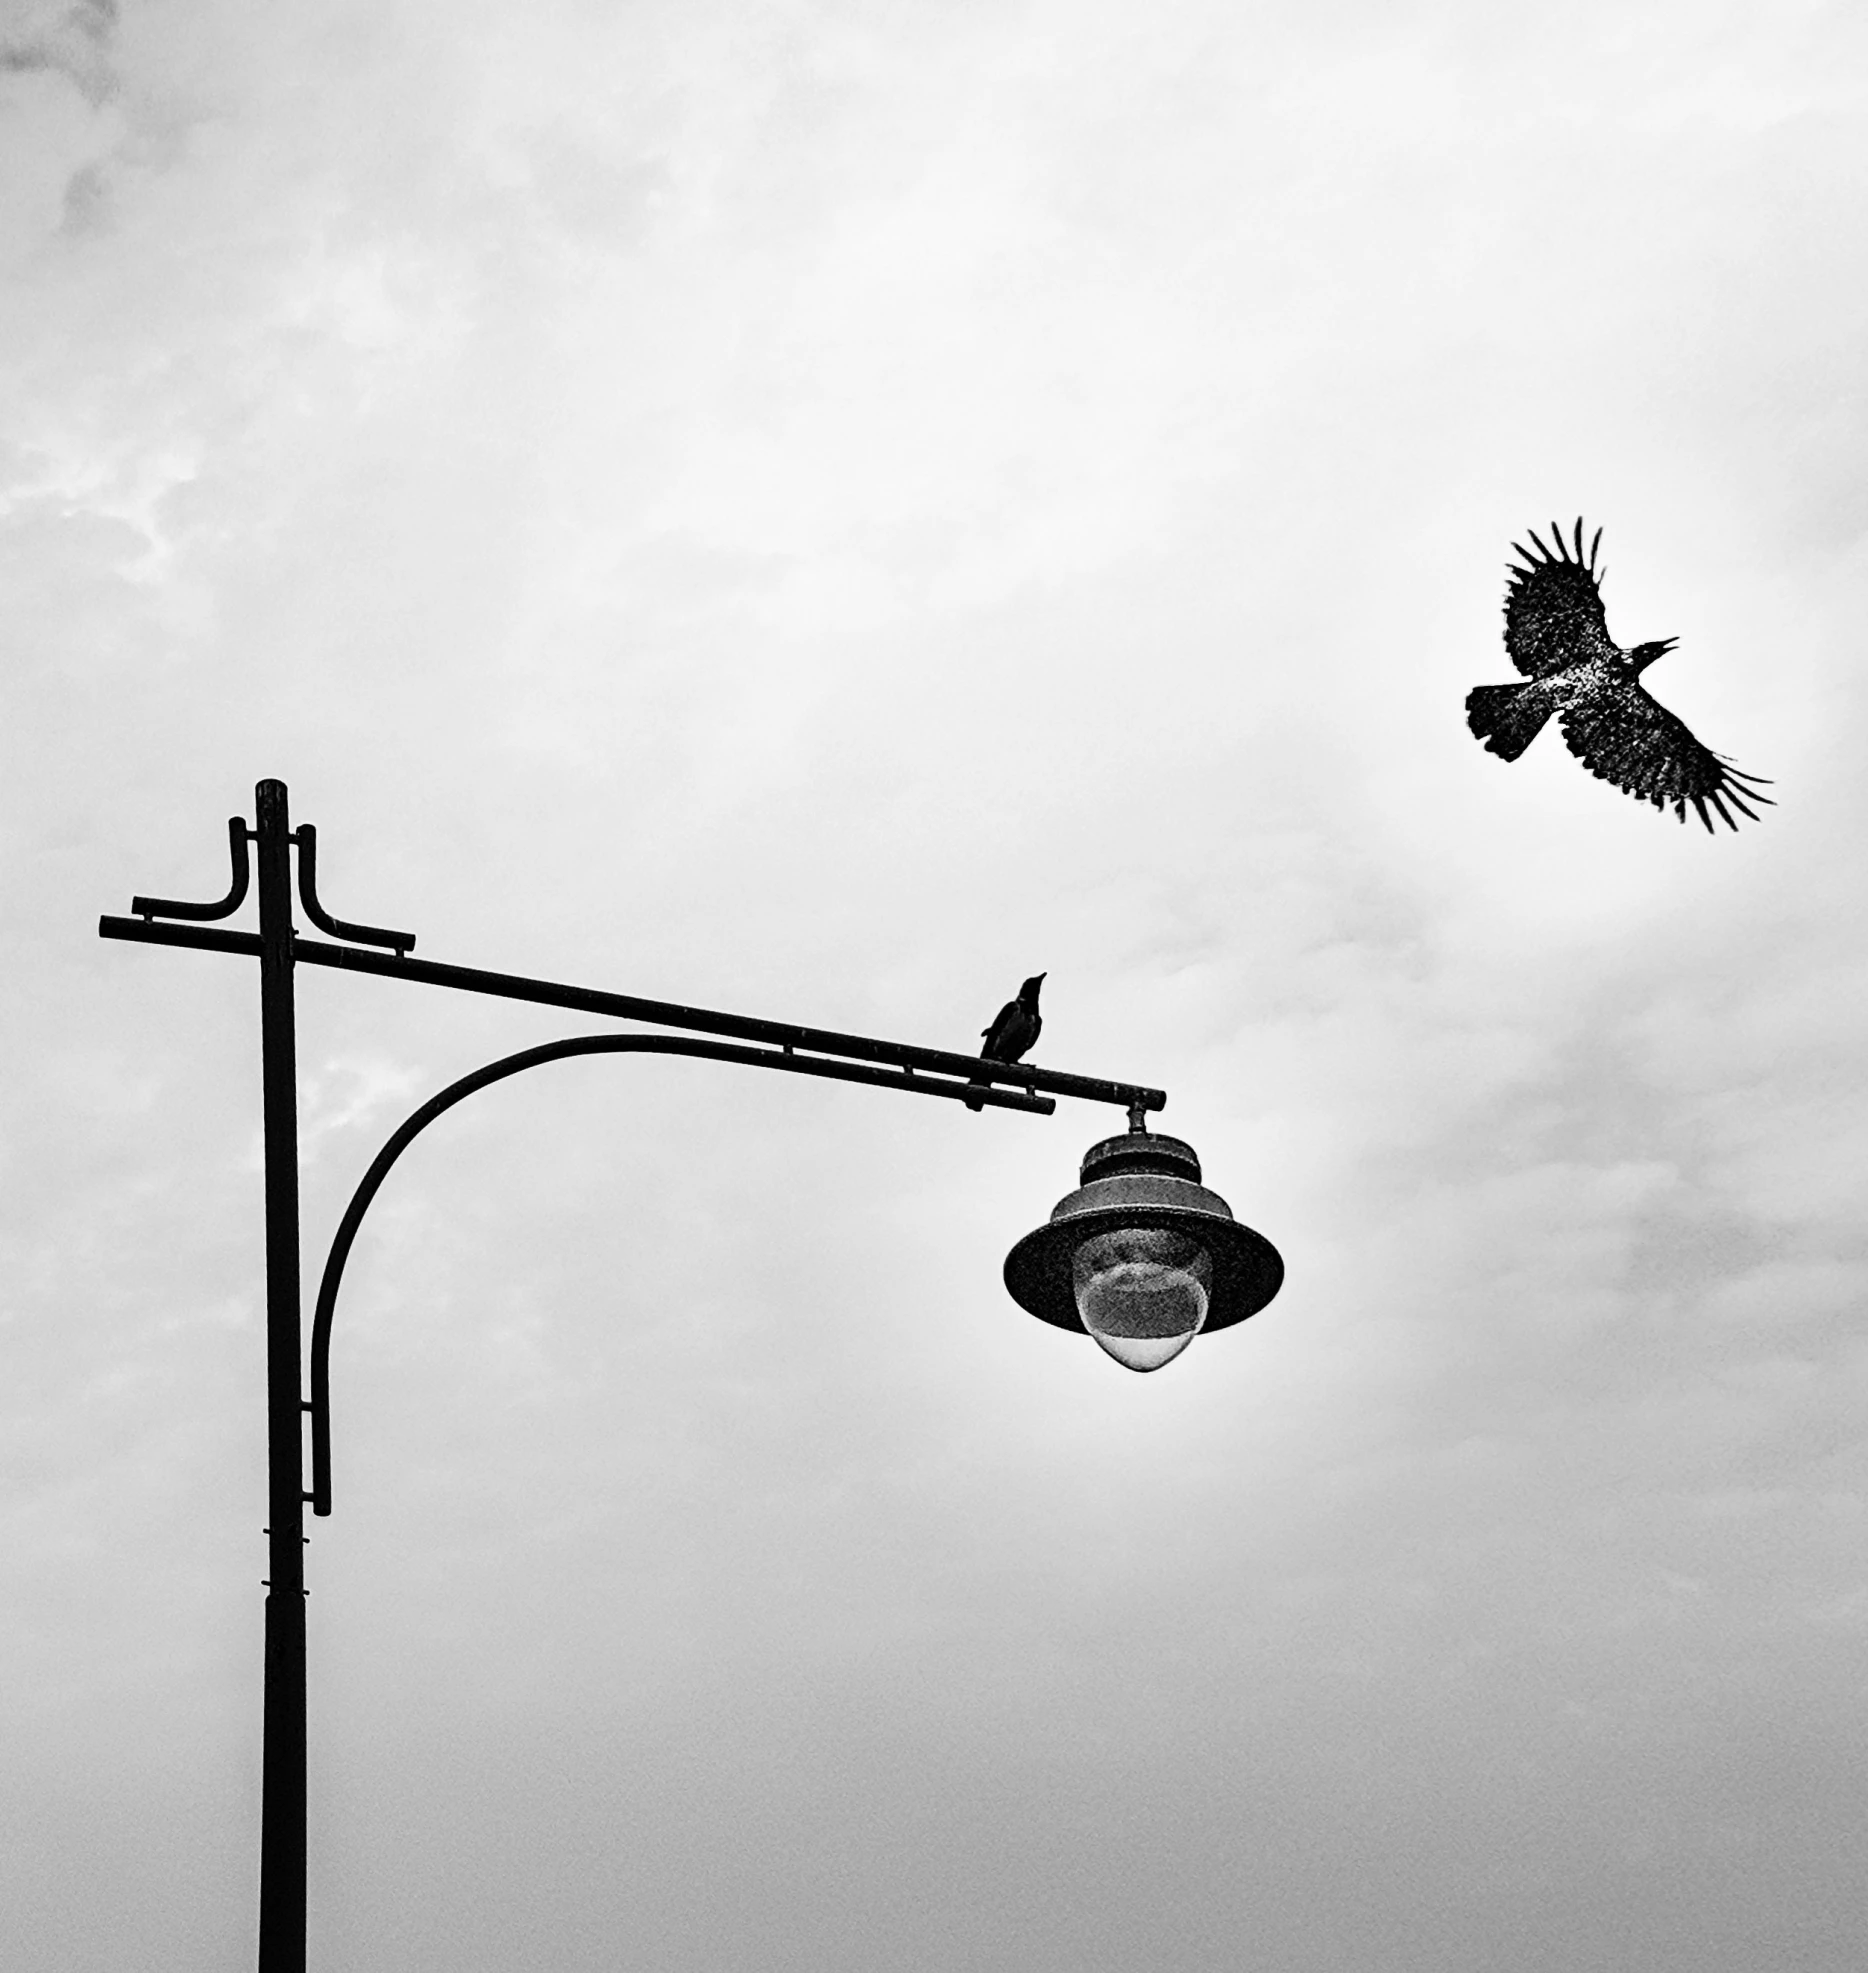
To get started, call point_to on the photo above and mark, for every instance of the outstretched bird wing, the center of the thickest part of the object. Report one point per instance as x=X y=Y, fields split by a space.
x=1553 y=606
x=1631 y=739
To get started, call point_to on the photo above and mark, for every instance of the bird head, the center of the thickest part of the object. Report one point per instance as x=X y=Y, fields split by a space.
x=1029 y=991
x=1644 y=655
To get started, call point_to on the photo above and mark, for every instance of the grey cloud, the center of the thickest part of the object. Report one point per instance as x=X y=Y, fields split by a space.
x=73 y=42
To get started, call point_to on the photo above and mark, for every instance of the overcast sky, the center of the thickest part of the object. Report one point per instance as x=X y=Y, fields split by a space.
x=823 y=510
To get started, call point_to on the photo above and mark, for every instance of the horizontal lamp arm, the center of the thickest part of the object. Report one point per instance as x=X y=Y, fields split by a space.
x=588 y=1000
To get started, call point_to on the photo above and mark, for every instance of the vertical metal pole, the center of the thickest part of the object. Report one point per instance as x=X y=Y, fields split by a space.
x=282 y=1810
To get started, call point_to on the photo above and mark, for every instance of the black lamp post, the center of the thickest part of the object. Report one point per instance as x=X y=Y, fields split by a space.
x=1142 y=1255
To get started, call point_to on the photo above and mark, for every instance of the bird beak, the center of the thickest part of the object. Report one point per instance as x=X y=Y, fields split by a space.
x=1666 y=645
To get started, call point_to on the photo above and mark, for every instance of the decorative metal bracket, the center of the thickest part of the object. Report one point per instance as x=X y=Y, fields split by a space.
x=238 y=836
x=306 y=837
x=319 y=1403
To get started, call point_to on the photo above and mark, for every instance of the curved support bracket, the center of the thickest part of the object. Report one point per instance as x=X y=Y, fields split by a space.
x=171 y=907
x=915 y=1082
x=306 y=836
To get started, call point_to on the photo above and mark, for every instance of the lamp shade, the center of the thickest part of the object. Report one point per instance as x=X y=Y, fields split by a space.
x=1142 y=1256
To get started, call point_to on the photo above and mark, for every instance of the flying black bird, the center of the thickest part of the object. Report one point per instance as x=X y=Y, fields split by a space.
x=1015 y=1028
x=1557 y=634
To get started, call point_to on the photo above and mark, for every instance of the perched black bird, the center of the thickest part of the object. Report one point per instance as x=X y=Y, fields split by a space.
x=1015 y=1028
x=1557 y=634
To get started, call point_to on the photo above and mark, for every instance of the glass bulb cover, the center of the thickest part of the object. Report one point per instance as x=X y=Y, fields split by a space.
x=1143 y=1292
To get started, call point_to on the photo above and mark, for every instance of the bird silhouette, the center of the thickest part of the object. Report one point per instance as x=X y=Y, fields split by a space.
x=1014 y=1029
x=1556 y=633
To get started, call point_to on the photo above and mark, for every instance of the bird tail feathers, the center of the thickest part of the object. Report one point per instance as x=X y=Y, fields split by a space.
x=1507 y=717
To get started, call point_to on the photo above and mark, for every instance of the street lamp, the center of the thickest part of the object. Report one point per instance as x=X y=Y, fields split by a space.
x=1142 y=1256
